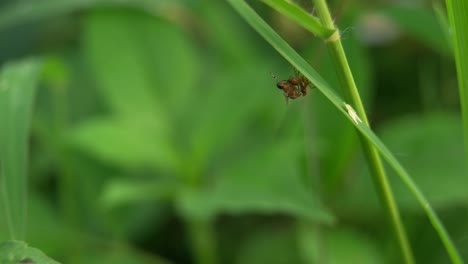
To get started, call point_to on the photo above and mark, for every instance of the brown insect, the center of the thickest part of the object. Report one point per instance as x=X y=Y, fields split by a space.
x=293 y=87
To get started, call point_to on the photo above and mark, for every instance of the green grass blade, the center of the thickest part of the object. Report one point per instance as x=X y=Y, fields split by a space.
x=30 y=11
x=299 y=63
x=17 y=85
x=300 y=16
x=374 y=162
x=458 y=17
x=12 y=252
x=441 y=15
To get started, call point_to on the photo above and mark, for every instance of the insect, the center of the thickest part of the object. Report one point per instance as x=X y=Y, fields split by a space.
x=352 y=113
x=293 y=87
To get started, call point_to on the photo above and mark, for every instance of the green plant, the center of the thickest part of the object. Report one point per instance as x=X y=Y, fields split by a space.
x=368 y=136
x=158 y=135
x=458 y=17
x=18 y=82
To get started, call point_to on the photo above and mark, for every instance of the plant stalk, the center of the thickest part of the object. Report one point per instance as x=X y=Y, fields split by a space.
x=203 y=242
x=380 y=179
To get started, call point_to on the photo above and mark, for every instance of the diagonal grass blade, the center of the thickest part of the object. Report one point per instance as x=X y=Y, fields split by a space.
x=297 y=61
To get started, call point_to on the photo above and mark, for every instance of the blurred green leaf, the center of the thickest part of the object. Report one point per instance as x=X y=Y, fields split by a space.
x=49 y=235
x=140 y=81
x=337 y=246
x=122 y=192
x=15 y=252
x=441 y=15
x=458 y=16
x=227 y=107
x=141 y=63
x=428 y=248
x=266 y=180
x=269 y=245
x=55 y=72
x=421 y=23
x=300 y=16
x=222 y=38
x=297 y=61
x=430 y=147
x=17 y=88
x=136 y=142
x=166 y=55
x=116 y=218
x=131 y=221
x=116 y=57
x=345 y=246
x=31 y=10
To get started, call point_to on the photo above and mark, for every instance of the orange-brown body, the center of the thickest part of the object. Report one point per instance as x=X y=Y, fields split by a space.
x=294 y=87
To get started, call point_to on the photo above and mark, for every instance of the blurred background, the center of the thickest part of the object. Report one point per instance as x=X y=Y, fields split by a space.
x=159 y=136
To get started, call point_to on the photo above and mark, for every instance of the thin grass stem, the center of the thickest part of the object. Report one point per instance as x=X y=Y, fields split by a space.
x=348 y=84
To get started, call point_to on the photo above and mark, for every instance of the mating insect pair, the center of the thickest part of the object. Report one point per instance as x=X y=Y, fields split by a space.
x=293 y=87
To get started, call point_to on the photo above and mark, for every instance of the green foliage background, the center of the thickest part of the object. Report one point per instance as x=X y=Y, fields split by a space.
x=158 y=135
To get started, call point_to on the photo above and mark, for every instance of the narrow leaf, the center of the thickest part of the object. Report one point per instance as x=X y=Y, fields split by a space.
x=444 y=25
x=299 y=63
x=458 y=17
x=29 y=11
x=17 y=85
x=300 y=16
